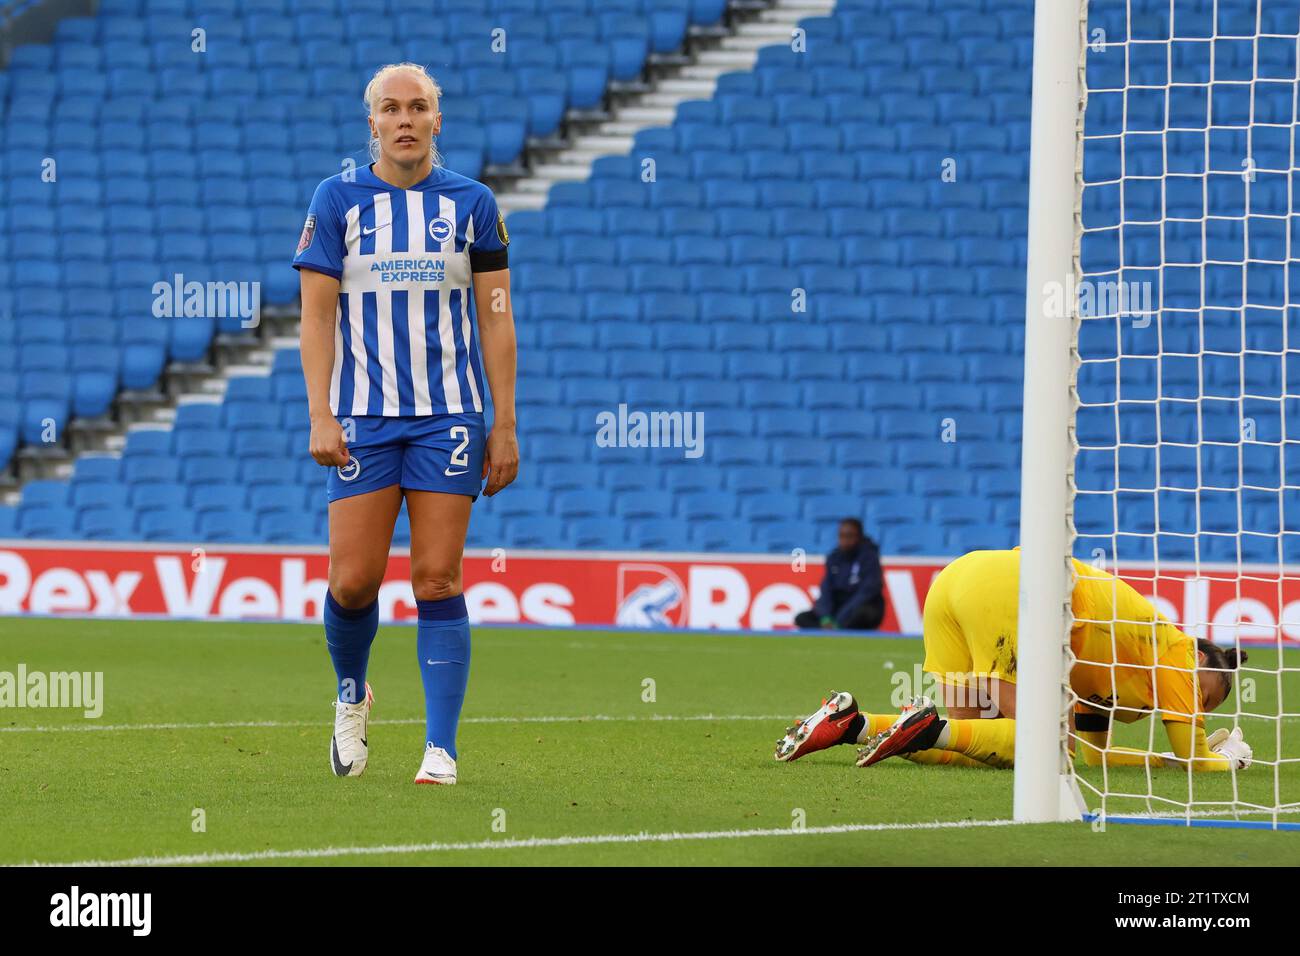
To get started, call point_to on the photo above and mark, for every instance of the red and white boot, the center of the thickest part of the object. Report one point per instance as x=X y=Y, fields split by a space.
x=825 y=728
x=917 y=728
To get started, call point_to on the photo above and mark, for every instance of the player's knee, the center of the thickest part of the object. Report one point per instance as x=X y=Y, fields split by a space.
x=436 y=584
x=353 y=591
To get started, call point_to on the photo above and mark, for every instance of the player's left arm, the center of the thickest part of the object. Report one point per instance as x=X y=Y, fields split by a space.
x=496 y=326
x=490 y=271
x=1219 y=753
x=1092 y=728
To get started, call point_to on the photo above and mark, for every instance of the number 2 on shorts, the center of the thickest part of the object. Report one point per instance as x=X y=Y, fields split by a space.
x=458 y=457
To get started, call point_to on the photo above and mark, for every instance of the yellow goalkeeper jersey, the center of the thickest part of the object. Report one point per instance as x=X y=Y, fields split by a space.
x=1130 y=659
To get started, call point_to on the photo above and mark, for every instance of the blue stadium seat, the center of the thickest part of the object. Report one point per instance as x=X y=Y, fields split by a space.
x=167 y=524
x=45 y=494
x=536 y=532
x=228 y=525
x=38 y=521
x=910 y=540
x=598 y=534
x=106 y=524
x=288 y=528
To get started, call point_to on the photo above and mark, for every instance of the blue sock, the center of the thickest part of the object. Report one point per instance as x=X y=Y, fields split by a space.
x=442 y=641
x=348 y=635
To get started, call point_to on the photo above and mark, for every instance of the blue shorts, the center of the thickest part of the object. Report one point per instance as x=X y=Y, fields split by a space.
x=421 y=453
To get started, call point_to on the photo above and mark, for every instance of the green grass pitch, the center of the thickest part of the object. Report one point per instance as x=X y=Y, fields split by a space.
x=246 y=718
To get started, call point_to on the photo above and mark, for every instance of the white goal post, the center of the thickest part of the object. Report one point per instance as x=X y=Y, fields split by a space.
x=1162 y=377
x=1046 y=446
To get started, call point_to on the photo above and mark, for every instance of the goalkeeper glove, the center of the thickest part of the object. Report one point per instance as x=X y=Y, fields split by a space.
x=1231 y=745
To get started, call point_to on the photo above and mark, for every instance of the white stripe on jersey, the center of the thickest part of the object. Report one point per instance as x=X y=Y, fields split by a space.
x=356 y=324
x=446 y=335
x=336 y=376
x=387 y=357
x=384 y=308
x=383 y=224
x=419 y=351
x=352 y=234
x=415 y=224
x=466 y=336
x=415 y=330
x=466 y=332
x=360 y=373
x=450 y=384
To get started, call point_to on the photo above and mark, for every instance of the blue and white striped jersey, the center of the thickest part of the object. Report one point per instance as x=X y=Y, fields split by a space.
x=405 y=343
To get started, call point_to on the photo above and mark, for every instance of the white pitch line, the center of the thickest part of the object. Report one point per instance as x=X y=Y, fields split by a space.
x=234 y=724
x=530 y=843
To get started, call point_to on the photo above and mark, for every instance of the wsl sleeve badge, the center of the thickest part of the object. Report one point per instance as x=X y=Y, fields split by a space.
x=501 y=230
x=308 y=232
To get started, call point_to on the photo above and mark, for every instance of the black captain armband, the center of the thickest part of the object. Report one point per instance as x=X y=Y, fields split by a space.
x=488 y=260
x=1086 y=723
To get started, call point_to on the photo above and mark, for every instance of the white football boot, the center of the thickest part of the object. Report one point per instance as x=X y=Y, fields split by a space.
x=438 y=767
x=349 y=747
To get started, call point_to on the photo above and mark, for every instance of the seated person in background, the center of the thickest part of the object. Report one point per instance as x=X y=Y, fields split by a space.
x=852 y=597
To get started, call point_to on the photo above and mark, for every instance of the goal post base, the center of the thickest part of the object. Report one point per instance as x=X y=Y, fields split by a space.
x=1070 y=803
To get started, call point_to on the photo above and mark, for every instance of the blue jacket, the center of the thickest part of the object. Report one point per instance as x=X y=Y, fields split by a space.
x=852 y=578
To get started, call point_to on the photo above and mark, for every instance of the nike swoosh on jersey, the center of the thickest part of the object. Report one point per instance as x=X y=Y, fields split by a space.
x=452 y=474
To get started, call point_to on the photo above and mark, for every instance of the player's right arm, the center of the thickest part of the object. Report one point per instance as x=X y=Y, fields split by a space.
x=319 y=261
x=320 y=296
x=1221 y=752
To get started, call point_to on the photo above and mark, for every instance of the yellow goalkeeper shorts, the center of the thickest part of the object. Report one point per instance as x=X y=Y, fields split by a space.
x=970 y=619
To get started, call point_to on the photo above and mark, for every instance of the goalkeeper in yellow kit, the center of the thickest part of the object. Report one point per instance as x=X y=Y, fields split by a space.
x=1129 y=662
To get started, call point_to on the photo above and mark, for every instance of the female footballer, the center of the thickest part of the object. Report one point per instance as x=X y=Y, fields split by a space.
x=1129 y=662
x=406 y=327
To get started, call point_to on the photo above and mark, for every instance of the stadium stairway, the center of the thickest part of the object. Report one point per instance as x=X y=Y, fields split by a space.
x=679 y=77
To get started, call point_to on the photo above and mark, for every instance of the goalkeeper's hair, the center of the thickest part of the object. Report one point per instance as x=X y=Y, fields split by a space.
x=1224 y=660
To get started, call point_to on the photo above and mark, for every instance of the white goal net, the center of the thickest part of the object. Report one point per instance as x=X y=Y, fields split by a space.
x=1186 y=463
